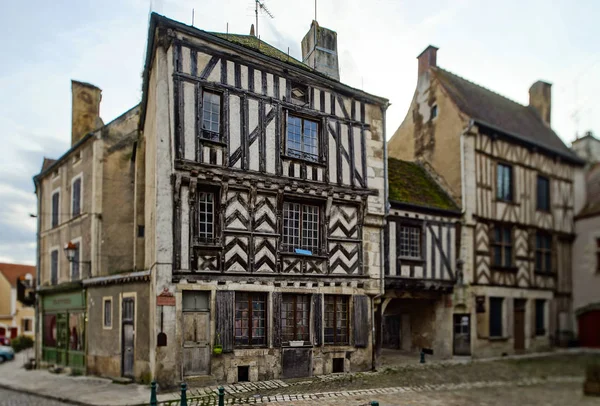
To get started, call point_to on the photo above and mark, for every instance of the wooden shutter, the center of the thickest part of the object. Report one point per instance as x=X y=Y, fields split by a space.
x=225 y=318
x=76 y=197
x=277 y=297
x=317 y=300
x=361 y=321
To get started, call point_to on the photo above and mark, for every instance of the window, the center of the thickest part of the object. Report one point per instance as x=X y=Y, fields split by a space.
x=504 y=183
x=76 y=197
x=336 y=320
x=250 y=319
x=540 y=318
x=55 y=208
x=543 y=193
x=54 y=267
x=496 y=316
x=543 y=252
x=211 y=116
x=434 y=111
x=302 y=138
x=502 y=246
x=27 y=325
x=300 y=227
x=206 y=216
x=140 y=232
x=410 y=242
x=107 y=313
x=597 y=255
x=295 y=316
x=75 y=274
x=299 y=94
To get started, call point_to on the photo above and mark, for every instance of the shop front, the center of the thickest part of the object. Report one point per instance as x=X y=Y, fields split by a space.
x=63 y=327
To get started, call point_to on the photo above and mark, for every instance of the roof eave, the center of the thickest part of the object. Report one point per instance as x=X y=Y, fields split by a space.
x=425 y=209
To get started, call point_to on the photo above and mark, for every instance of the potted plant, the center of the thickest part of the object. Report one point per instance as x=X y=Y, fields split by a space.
x=299 y=342
x=218 y=348
x=591 y=387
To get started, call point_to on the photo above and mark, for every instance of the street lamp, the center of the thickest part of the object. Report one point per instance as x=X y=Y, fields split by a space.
x=70 y=251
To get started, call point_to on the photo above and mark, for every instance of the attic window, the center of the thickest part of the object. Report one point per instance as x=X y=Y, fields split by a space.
x=434 y=111
x=299 y=93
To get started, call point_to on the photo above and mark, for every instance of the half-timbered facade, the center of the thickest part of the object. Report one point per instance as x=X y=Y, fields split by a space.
x=421 y=263
x=265 y=199
x=519 y=187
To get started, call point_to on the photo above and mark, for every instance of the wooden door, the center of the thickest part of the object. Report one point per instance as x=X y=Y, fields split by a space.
x=128 y=337
x=391 y=332
x=589 y=330
x=196 y=343
x=462 y=334
x=519 y=324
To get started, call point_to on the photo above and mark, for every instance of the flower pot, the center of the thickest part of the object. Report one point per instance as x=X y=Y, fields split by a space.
x=217 y=350
x=591 y=388
x=296 y=343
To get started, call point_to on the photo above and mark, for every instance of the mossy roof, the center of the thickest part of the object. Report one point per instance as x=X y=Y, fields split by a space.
x=410 y=183
x=254 y=43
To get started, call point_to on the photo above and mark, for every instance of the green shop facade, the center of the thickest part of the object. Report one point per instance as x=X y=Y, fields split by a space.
x=63 y=327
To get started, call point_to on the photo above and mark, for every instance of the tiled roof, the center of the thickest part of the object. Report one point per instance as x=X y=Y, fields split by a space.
x=488 y=107
x=410 y=183
x=14 y=272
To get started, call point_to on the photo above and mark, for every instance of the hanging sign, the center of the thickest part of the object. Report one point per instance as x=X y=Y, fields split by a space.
x=166 y=298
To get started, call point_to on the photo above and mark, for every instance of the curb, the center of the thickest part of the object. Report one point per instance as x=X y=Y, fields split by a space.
x=52 y=397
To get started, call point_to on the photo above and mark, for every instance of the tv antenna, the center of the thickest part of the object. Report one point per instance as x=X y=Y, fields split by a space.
x=261 y=5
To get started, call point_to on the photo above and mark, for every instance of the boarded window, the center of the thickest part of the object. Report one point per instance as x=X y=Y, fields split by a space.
x=55 y=208
x=211 y=116
x=504 y=182
x=540 y=317
x=543 y=193
x=302 y=138
x=496 y=316
x=224 y=319
x=336 y=319
x=54 y=267
x=361 y=321
x=76 y=197
x=107 y=311
x=502 y=246
x=543 y=252
x=409 y=242
x=300 y=227
x=250 y=319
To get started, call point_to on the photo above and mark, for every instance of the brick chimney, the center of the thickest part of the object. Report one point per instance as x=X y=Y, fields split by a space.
x=319 y=50
x=540 y=98
x=85 y=110
x=427 y=59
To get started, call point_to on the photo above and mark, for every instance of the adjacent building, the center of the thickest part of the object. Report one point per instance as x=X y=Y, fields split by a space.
x=518 y=187
x=587 y=147
x=264 y=207
x=17 y=299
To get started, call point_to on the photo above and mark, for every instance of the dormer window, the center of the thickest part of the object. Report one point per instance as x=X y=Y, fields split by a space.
x=211 y=116
x=299 y=94
x=434 y=111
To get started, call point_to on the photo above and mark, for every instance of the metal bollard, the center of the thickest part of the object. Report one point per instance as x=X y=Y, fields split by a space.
x=221 y=396
x=183 y=401
x=422 y=361
x=374 y=403
x=153 y=401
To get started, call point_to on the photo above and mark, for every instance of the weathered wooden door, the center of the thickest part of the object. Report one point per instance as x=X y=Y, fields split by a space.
x=519 y=324
x=462 y=334
x=196 y=333
x=391 y=332
x=128 y=337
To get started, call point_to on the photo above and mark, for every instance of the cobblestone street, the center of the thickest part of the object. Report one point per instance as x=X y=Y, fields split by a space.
x=11 y=398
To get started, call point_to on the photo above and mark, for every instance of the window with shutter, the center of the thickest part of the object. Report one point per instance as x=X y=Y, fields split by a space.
x=55 y=208
x=543 y=193
x=496 y=316
x=76 y=197
x=54 y=267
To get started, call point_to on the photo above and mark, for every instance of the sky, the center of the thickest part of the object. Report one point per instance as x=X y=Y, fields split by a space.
x=505 y=46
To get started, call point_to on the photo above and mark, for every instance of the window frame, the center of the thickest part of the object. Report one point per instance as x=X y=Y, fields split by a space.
x=335 y=341
x=500 y=301
x=540 y=328
x=78 y=177
x=500 y=194
x=399 y=237
x=55 y=215
x=545 y=252
x=289 y=248
x=305 y=317
x=548 y=202
x=250 y=301
x=76 y=260
x=318 y=144
x=23 y=329
x=216 y=223
x=201 y=130
x=503 y=246
x=105 y=300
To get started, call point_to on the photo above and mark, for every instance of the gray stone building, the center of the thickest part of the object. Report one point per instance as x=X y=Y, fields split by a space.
x=264 y=207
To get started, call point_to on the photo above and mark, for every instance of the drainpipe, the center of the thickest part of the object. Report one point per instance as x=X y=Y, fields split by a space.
x=37 y=332
x=462 y=164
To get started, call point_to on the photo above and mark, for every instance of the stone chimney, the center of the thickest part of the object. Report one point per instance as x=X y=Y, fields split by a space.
x=540 y=98
x=85 y=110
x=319 y=50
x=427 y=59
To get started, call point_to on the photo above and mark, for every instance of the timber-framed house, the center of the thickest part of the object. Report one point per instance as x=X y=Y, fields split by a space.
x=264 y=206
x=518 y=186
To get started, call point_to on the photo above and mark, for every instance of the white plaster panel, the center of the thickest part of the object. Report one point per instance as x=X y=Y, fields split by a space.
x=270 y=85
x=185 y=228
x=327 y=103
x=332 y=157
x=202 y=61
x=189 y=120
x=428 y=251
x=258 y=82
x=316 y=99
x=343 y=136
x=219 y=157
x=320 y=174
x=356 y=136
x=392 y=252
x=405 y=271
x=285 y=167
x=186 y=64
x=206 y=154
x=270 y=147
x=215 y=75
x=254 y=157
x=244 y=76
x=282 y=87
x=234 y=126
x=230 y=73
x=419 y=272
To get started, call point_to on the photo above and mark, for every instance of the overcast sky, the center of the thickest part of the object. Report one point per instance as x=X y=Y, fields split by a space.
x=504 y=46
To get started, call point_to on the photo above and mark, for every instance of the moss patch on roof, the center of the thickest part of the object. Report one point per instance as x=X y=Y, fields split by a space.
x=252 y=42
x=410 y=183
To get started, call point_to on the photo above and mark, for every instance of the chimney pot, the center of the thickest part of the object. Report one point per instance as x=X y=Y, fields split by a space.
x=427 y=59
x=540 y=99
x=85 y=109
